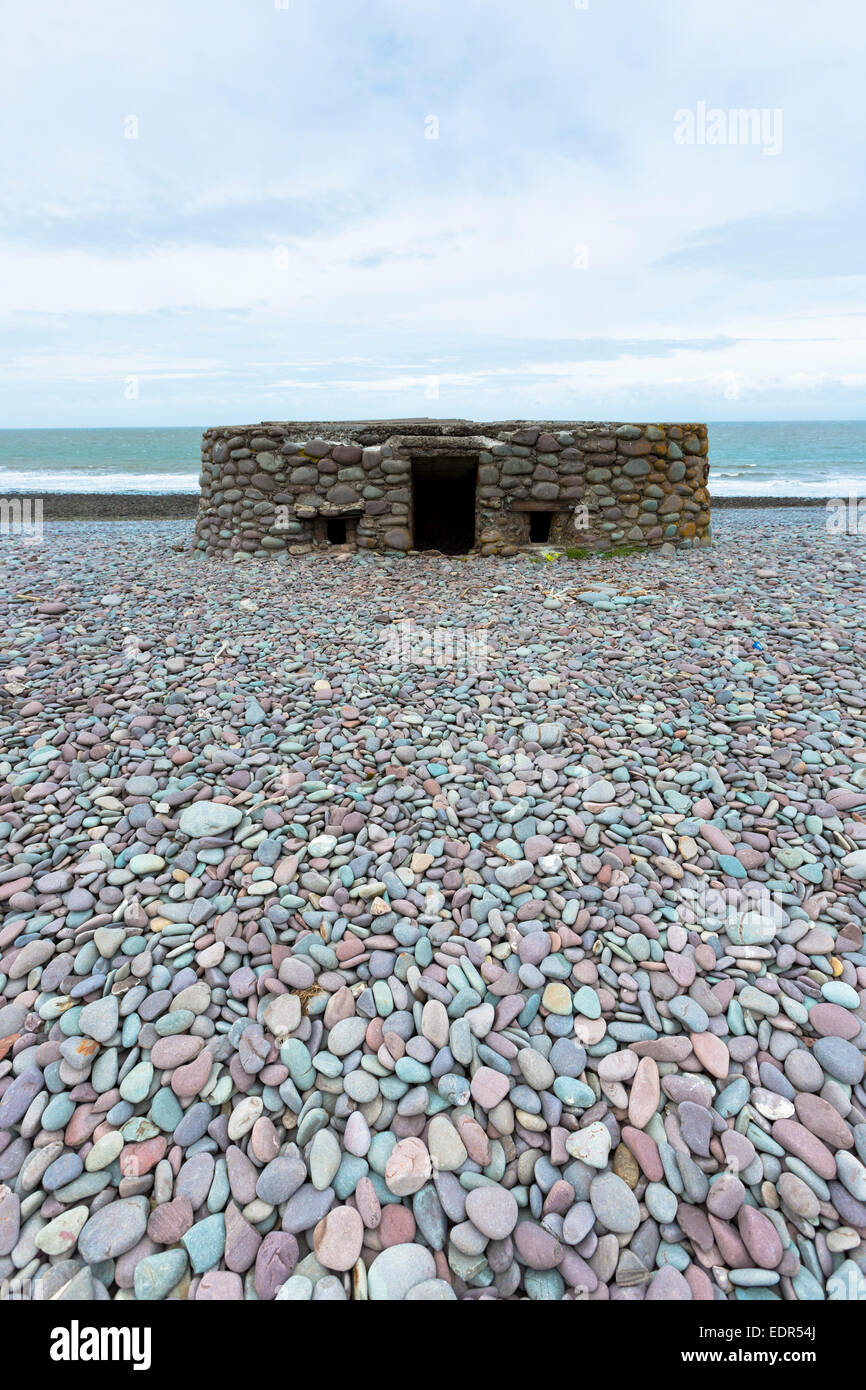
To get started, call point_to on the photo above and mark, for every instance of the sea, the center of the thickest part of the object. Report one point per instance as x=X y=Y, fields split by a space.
x=772 y=458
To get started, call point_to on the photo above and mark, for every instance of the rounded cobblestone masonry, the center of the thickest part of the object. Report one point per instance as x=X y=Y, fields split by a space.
x=277 y=488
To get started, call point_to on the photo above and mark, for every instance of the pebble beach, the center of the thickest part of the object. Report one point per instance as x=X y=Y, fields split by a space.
x=433 y=928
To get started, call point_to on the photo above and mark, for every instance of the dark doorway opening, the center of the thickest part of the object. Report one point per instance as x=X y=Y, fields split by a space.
x=539 y=526
x=443 y=504
x=336 y=530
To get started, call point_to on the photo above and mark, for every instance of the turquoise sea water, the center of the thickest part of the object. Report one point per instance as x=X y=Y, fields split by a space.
x=130 y=460
x=770 y=458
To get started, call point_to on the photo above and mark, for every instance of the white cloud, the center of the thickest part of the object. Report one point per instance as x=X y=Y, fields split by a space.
x=303 y=129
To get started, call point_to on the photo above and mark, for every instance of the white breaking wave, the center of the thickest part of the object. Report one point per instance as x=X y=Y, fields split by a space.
x=842 y=485
x=32 y=481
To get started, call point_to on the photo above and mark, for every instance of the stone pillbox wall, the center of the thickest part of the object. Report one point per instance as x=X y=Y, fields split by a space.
x=395 y=485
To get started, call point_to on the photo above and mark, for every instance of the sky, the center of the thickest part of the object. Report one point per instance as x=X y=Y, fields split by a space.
x=222 y=211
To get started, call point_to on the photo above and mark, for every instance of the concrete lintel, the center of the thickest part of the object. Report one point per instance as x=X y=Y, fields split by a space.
x=431 y=444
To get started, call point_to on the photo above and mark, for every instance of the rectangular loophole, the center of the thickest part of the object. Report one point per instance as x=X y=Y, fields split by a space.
x=539 y=526
x=336 y=530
